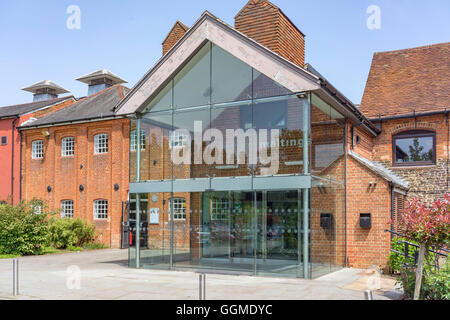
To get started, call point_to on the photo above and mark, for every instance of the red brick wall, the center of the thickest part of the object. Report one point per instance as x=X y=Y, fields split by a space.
x=98 y=173
x=367 y=247
x=267 y=24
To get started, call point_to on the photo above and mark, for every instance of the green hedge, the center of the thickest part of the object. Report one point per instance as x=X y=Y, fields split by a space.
x=22 y=232
x=68 y=233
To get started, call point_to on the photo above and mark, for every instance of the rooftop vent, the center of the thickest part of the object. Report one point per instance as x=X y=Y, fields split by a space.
x=45 y=90
x=100 y=80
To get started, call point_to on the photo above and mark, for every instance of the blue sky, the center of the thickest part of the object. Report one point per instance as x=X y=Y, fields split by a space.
x=126 y=36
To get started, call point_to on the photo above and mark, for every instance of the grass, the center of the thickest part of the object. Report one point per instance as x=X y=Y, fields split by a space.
x=8 y=256
x=52 y=250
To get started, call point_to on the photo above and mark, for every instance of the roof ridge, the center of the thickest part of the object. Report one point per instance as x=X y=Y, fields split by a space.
x=36 y=102
x=414 y=48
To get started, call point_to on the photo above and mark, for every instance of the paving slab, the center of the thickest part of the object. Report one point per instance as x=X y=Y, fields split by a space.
x=104 y=275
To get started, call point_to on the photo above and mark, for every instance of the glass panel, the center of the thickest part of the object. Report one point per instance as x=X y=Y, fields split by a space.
x=328 y=134
x=192 y=83
x=154 y=232
x=231 y=78
x=264 y=87
x=281 y=146
x=279 y=234
x=231 y=162
x=163 y=101
x=187 y=151
x=414 y=149
x=155 y=158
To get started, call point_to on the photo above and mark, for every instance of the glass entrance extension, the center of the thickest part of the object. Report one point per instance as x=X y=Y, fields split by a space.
x=232 y=172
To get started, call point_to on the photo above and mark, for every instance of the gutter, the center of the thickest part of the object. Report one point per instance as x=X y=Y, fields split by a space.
x=411 y=115
x=63 y=123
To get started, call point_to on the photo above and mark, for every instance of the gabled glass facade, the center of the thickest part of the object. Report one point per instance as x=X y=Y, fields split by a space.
x=237 y=174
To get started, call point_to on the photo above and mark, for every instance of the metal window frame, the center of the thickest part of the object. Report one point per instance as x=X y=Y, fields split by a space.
x=101 y=143
x=65 y=144
x=409 y=135
x=37 y=149
x=101 y=204
x=67 y=205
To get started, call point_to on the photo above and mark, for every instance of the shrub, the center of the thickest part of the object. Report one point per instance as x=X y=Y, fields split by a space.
x=68 y=233
x=397 y=260
x=22 y=232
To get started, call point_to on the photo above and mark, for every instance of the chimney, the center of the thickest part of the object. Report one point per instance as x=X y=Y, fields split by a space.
x=176 y=33
x=100 y=80
x=45 y=90
x=265 y=23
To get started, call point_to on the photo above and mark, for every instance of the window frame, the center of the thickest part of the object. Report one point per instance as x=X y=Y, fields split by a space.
x=34 y=154
x=133 y=140
x=64 y=150
x=97 y=204
x=102 y=149
x=6 y=140
x=67 y=204
x=182 y=214
x=410 y=135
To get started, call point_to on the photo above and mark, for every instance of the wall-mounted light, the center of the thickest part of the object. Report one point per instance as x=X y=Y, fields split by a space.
x=81 y=188
x=116 y=187
x=49 y=189
x=45 y=133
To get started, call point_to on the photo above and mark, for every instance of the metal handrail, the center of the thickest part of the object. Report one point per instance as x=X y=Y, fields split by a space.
x=407 y=243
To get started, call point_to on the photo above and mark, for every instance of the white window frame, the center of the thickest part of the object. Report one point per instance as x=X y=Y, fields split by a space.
x=101 y=209
x=68 y=147
x=37 y=149
x=37 y=208
x=133 y=140
x=101 y=142
x=67 y=209
x=218 y=206
x=178 y=139
x=179 y=206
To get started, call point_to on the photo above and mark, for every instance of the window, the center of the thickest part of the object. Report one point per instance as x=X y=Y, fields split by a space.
x=101 y=209
x=179 y=209
x=67 y=147
x=67 y=209
x=4 y=140
x=219 y=209
x=178 y=139
x=414 y=148
x=37 y=149
x=101 y=143
x=133 y=140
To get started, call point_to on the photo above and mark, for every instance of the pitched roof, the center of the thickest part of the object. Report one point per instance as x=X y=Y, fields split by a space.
x=21 y=109
x=379 y=169
x=408 y=81
x=210 y=28
x=97 y=106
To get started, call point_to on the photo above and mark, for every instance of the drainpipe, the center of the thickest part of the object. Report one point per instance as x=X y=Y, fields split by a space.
x=13 y=128
x=20 y=167
x=345 y=186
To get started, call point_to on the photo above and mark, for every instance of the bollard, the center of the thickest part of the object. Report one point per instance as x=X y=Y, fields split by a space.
x=202 y=286
x=15 y=277
x=368 y=295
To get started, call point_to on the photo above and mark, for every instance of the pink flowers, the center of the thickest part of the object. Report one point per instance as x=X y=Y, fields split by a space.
x=427 y=225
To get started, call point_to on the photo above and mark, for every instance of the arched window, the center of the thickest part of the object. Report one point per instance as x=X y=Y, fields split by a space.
x=414 y=148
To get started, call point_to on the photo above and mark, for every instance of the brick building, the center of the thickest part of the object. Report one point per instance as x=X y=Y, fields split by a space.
x=309 y=188
x=45 y=101
x=76 y=159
